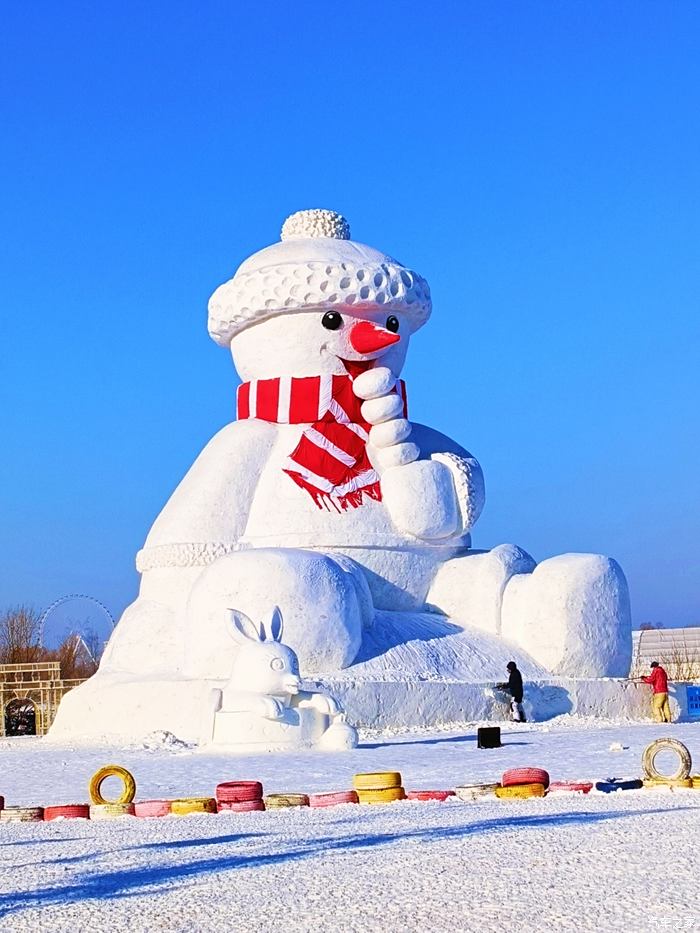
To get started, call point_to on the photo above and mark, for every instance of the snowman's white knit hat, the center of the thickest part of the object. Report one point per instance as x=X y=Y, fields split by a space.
x=315 y=266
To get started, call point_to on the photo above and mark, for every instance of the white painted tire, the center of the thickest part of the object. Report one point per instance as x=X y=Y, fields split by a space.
x=22 y=815
x=471 y=792
x=685 y=761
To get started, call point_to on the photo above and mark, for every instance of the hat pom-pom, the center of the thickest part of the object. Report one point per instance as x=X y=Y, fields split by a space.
x=316 y=223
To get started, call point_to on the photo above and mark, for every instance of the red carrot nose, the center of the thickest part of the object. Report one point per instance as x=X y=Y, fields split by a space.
x=367 y=337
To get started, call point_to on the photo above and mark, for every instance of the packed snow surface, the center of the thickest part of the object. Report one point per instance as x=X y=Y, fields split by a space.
x=598 y=862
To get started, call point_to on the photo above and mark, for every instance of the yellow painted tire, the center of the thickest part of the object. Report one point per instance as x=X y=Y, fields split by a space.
x=187 y=805
x=656 y=782
x=128 y=793
x=470 y=792
x=376 y=780
x=381 y=795
x=520 y=791
x=110 y=811
x=695 y=778
x=280 y=801
x=666 y=745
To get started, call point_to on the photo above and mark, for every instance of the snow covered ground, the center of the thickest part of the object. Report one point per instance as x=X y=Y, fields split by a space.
x=601 y=862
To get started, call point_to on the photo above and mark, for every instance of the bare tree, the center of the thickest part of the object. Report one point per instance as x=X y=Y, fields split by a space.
x=94 y=644
x=75 y=658
x=19 y=636
x=78 y=654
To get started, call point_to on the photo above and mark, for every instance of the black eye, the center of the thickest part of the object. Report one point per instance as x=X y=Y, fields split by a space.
x=392 y=324
x=331 y=320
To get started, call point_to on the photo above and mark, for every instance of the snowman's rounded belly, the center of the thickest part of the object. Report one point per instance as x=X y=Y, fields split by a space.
x=400 y=568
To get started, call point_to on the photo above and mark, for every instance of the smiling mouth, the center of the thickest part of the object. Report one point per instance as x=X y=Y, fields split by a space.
x=356 y=367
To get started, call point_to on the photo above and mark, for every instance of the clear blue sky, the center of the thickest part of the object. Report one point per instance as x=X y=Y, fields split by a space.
x=538 y=162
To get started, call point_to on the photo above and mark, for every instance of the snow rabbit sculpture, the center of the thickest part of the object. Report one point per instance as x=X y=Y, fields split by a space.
x=263 y=708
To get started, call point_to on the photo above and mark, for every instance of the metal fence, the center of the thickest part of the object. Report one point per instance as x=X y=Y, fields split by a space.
x=37 y=688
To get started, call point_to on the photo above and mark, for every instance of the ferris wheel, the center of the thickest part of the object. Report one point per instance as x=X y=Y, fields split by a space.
x=62 y=600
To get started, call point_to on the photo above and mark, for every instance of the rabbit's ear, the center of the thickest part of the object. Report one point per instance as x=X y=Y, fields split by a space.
x=242 y=628
x=272 y=625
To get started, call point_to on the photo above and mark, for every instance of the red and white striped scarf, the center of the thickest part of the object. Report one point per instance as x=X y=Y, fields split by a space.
x=330 y=461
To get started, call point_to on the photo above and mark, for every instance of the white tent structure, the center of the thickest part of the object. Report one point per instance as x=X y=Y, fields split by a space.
x=676 y=649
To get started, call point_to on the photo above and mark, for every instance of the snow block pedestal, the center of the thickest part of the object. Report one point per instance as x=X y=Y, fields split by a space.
x=393 y=685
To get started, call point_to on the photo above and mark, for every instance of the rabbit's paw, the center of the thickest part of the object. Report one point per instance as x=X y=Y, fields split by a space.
x=273 y=709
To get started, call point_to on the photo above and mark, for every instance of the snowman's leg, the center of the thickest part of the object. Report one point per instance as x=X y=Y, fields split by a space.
x=572 y=615
x=357 y=579
x=469 y=589
x=325 y=604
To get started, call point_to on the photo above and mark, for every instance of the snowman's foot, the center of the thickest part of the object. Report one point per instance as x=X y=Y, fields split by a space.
x=325 y=604
x=469 y=589
x=572 y=615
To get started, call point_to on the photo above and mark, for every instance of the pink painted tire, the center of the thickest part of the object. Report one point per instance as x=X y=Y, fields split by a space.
x=238 y=791
x=515 y=776
x=333 y=798
x=571 y=787
x=69 y=811
x=240 y=806
x=429 y=794
x=152 y=808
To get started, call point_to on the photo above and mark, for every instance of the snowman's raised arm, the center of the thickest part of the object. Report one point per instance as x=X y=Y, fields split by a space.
x=207 y=514
x=432 y=487
x=465 y=470
x=437 y=496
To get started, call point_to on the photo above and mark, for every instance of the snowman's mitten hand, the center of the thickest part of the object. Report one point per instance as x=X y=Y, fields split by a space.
x=398 y=455
x=421 y=499
x=374 y=383
x=389 y=433
x=389 y=440
x=384 y=408
x=468 y=480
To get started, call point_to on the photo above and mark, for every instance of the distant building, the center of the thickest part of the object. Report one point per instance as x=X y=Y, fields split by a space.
x=29 y=696
x=676 y=649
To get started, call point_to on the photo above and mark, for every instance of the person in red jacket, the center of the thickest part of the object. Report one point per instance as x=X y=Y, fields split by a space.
x=659 y=701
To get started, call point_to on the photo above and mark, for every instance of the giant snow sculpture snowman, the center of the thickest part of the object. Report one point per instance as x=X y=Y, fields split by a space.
x=325 y=499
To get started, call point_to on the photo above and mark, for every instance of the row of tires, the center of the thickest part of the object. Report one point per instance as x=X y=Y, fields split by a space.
x=368 y=788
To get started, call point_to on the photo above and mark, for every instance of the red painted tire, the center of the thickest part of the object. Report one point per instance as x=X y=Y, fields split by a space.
x=238 y=791
x=2 y=803
x=429 y=794
x=572 y=787
x=515 y=776
x=69 y=811
x=240 y=806
x=333 y=798
x=152 y=808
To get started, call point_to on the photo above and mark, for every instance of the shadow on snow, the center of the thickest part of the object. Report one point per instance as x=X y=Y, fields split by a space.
x=149 y=879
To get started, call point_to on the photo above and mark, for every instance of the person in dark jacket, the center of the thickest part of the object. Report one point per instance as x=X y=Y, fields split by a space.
x=515 y=688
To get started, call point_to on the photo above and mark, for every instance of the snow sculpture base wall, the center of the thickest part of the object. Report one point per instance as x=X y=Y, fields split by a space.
x=394 y=684
x=175 y=706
